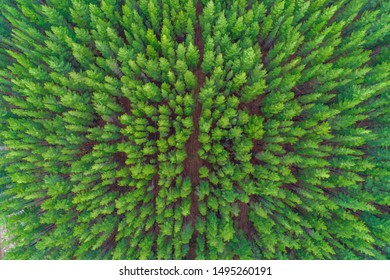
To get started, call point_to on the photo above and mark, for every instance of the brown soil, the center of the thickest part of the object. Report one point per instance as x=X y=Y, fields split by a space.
x=125 y=104
x=110 y=241
x=243 y=218
x=193 y=162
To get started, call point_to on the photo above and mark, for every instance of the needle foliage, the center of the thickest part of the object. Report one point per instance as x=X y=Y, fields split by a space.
x=185 y=129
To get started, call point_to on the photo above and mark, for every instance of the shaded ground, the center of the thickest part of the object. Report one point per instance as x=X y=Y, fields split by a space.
x=193 y=162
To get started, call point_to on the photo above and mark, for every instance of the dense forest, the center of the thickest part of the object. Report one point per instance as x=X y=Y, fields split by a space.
x=186 y=129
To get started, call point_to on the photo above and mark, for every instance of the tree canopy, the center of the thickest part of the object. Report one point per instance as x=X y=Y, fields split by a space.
x=186 y=129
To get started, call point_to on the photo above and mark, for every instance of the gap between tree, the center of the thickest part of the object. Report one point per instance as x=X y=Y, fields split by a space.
x=193 y=161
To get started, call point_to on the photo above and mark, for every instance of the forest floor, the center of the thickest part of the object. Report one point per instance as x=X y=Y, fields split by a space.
x=193 y=161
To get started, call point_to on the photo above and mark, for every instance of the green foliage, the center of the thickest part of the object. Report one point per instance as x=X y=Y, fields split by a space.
x=208 y=129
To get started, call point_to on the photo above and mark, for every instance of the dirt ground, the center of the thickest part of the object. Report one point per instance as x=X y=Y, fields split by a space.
x=193 y=162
